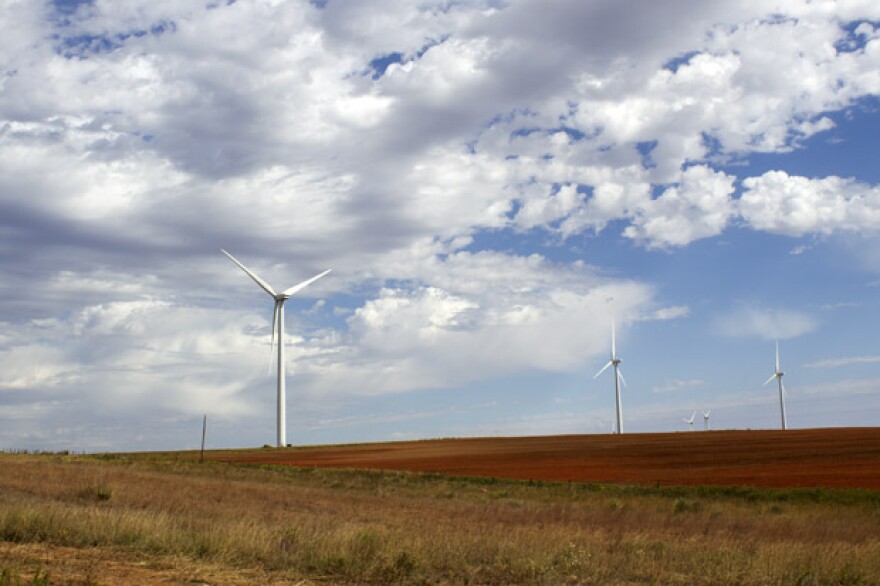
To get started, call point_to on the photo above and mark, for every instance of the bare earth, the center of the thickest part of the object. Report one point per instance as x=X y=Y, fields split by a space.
x=833 y=457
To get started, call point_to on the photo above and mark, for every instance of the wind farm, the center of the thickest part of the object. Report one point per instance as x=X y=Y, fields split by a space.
x=514 y=199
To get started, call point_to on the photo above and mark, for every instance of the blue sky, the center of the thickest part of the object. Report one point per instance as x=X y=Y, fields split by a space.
x=492 y=184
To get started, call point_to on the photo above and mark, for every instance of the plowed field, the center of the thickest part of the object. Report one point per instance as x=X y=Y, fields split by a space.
x=834 y=457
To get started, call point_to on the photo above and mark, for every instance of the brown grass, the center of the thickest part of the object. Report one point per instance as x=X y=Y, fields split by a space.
x=141 y=520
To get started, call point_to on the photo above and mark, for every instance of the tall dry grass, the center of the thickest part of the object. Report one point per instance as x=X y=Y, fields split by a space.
x=372 y=527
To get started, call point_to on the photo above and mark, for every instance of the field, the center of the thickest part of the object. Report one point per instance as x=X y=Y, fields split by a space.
x=686 y=508
x=833 y=458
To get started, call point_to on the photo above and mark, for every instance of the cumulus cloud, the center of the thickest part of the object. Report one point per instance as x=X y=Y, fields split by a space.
x=794 y=206
x=474 y=316
x=698 y=207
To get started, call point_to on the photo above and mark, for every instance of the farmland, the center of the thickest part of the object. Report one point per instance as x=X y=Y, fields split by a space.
x=843 y=457
x=505 y=510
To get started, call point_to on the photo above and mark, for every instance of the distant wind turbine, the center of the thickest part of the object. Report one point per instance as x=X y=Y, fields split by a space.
x=618 y=378
x=778 y=376
x=691 y=420
x=278 y=325
x=706 y=420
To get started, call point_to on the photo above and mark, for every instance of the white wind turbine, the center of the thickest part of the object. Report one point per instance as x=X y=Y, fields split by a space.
x=278 y=325
x=691 y=420
x=618 y=378
x=778 y=376
x=706 y=420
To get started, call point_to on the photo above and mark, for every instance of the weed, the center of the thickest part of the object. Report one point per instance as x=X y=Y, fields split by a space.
x=95 y=492
x=10 y=577
x=683 y=505
x=404 y=564
x=850 y=576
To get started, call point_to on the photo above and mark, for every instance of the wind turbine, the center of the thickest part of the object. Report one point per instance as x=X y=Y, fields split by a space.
x=618 y=378
x=706 y=420
x=778 y=376
x=691 y=420
x=278 y=325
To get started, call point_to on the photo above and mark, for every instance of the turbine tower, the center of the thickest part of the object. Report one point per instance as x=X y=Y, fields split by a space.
x=691 y=420
x=778 y=376
x=618 y=378
x=706 y=420
x=278 y=325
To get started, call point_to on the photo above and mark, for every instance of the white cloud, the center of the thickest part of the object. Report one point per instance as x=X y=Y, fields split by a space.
x=792 y=205
x=476 y=316
x=843 y=388
x=698 y=207
x=667 y=313
x=845 y=361
x=770 y=324
x=149 y=353
x=678 y=385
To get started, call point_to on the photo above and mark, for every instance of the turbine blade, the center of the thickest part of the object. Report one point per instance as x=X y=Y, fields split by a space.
x=784 y=392
x=272 y=338
x=620 y=376
x=304 y=284
x=613 y=342
x=777 y=356
x=706 y=413
x=604 y=368
x=772 y=376
x=263 y=284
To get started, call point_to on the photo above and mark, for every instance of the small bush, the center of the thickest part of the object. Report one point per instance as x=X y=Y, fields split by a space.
x=850 y=576
x=683 y=505
x=96 y=492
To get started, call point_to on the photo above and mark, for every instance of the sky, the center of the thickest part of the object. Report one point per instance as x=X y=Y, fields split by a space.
x=492 y=183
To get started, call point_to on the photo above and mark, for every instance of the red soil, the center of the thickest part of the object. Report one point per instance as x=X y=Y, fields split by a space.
x=835 y=457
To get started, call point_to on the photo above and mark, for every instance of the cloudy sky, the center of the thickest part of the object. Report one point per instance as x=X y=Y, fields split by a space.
x=492 y=182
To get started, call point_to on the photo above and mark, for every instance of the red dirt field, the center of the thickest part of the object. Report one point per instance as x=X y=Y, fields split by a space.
x=833 y=457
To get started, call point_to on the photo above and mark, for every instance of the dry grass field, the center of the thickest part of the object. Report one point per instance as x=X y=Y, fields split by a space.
x=168 y=519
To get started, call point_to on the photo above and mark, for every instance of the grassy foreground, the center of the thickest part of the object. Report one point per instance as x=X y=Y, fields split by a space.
x=141 y=519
